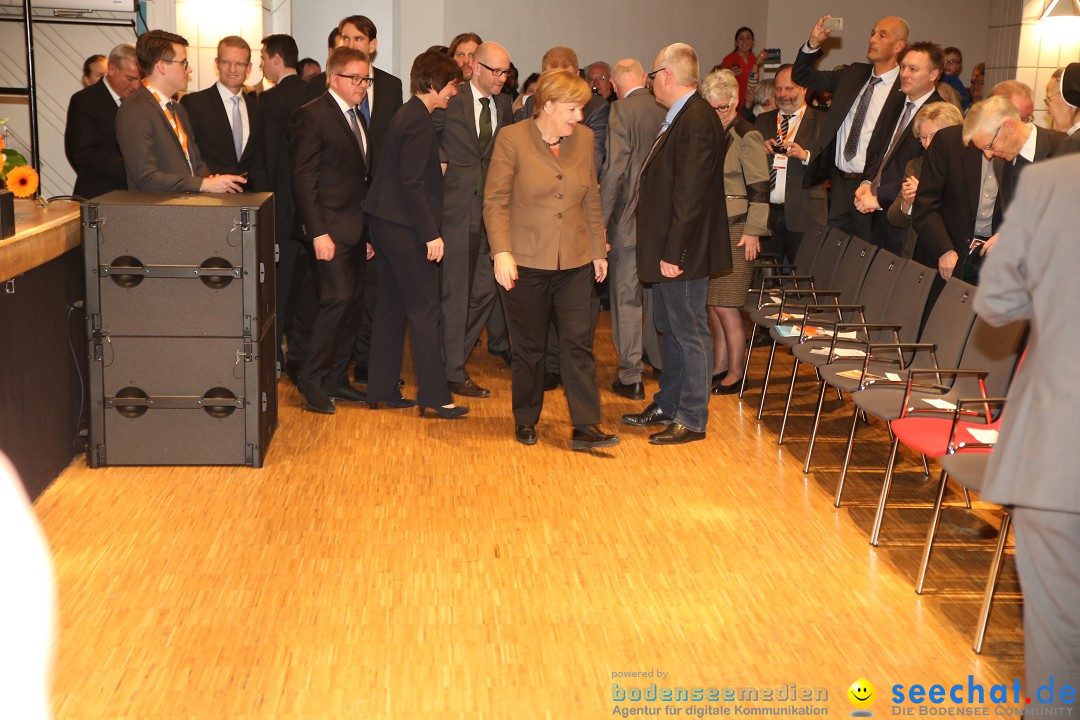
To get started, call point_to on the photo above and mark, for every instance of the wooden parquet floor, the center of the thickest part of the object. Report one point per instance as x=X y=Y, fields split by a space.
x=385 y=566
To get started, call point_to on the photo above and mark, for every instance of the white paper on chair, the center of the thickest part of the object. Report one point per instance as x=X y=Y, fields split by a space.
x=775 y=299
x=839 y=352
x=939 y=404
x=787 y=316
x=892 y=376
x=987 y=436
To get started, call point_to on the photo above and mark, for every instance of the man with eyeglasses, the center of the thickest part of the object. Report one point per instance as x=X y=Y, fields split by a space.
x=598 y=75
x=467 y=129
x=154 y=132
x=968 y=179
x=225 y=120
x=330 y=152
x=1063 y=103
x=90 y=134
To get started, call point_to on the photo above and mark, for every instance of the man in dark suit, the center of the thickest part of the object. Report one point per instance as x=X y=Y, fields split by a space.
x=682 y=238
x=90 y=134
x=330 y=153
x=276 y=106
x=632 y=126
x=224 y=119
x=968 y=178
x=467 y=131
x=793 y=127
x=379 y=106
x=920 y=68
x=154 y=133
x=866 y=103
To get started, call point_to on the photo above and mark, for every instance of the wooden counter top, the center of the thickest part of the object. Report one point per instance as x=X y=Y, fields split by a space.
x=41 y=234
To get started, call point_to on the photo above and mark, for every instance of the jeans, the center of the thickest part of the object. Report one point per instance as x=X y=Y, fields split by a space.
x=687 y=351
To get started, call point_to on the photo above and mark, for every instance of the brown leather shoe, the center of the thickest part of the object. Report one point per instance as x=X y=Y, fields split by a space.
x=587 y=437
x=469 y=389
x=676 y=434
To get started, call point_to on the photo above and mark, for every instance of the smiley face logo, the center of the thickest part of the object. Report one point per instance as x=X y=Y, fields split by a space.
x=861 y=693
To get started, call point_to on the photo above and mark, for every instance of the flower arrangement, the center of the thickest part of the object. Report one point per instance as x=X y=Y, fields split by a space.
x=15 y=173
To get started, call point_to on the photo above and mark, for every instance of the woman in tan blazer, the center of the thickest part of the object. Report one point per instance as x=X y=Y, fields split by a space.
x=542 y=215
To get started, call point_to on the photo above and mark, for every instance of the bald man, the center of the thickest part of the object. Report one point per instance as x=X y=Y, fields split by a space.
x=467 y=130
x=867 y=102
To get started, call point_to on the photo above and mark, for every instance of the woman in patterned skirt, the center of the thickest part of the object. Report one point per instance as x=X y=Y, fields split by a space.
x=746 y=183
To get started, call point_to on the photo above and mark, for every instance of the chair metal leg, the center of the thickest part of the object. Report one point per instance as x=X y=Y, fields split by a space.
x=765 y=381
x=925 y=466
x=814 y=429
x=967 y=499
x=787 y=405
x=746 y=363
x=991 y=583
x=875 y=531
x=847 y=457
x=931 y=533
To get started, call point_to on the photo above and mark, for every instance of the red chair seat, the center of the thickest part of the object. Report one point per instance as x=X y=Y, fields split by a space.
x=930 y=435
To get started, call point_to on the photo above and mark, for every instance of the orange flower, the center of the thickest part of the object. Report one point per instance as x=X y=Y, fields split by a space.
x=22 y=181
x=1 y=141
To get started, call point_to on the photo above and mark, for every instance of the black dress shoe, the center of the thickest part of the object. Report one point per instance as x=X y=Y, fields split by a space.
x=504 y=354
x=651 y=415
x=396 y=403
x=633 y=391
x=676 y=434
x=551 y=381
x=525 y=434
x=719 y=388
x=469 y=389
x=319 y=402
x=446 y=413
x=587 y=437
x=346 y=392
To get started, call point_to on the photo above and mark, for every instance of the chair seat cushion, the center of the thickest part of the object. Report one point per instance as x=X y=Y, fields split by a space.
x=930 y=435
x=967 y=468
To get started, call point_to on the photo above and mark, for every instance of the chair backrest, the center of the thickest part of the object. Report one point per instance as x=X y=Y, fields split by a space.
x=852 y=268
x=950 y=322
x=994 y=349
x=880 y=279
x=828 y=257
x=907 y=301
x=808 y=250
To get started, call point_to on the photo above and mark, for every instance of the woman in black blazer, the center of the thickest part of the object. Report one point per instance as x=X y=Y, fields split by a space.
x=405 y=205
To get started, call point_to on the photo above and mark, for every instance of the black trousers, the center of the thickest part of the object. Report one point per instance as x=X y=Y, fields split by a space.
x=784 y=242
x=408 y=292
x=842 y=212
x=340 y=286
x=536 y=297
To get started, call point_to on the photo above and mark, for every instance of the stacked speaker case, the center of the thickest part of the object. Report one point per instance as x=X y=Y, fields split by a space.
x=180 y=328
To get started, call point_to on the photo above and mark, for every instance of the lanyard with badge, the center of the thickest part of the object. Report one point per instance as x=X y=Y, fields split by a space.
x=783 y=141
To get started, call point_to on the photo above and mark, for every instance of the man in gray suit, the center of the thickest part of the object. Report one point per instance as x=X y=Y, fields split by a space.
x=790 y=130
x=1031 y=273
x=633 y=124
x=466 y=131
x=154 y=133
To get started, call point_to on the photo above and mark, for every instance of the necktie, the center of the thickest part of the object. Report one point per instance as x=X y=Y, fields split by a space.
x=365 y=109
x=485 y=123
x=900 y=129
x=785 y=121
x=356 y=131
x=179 y=130
x=851 y=147
x=637 y=185
x=237 y=128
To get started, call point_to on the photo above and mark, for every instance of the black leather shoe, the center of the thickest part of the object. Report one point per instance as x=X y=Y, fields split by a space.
x=504 y=354
x=525 y=434
x=551 y=381
x=469 y=389
x=633 y=391
x=446 y=413
x=588 y=437
x=720 y=388
x=396 y=403
x=346 y=392
x=676 y=434
x=319 y=402
x=651 y=415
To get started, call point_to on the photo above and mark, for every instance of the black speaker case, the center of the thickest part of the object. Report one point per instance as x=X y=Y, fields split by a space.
x=171 y=428
x=172 y=235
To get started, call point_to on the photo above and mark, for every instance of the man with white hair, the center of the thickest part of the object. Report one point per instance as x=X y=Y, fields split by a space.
x=682 y=239
x=632 y=126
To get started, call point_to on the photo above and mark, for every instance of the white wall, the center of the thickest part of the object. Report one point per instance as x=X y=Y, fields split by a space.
x=962 y=23
x=313 y=21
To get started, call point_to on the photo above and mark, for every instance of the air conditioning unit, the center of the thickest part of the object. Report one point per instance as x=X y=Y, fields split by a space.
x=77 y=6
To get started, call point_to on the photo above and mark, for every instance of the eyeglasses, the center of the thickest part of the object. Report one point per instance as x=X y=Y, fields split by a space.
x=650 y=78
x=926 y=137
x=231 y=65
x=358 y=79
x=722 y=108
x=990 y=147
x=952 y=62
x=184 y=62
x=597 y=78
x=495 y=72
